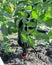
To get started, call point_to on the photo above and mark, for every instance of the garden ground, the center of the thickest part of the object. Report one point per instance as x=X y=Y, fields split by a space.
x=35 y=58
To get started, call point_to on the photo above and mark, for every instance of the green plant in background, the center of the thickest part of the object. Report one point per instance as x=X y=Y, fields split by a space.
x=5 y=46
x=7 y=24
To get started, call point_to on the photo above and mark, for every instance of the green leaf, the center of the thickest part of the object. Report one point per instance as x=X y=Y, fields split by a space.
x=48 y=22
x=24 y=37
x=28 y=7
x=34 y=15
x=50 y=35
x=31 y=42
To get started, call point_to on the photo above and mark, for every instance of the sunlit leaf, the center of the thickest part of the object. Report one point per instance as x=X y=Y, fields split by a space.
x=24 y=37
x=31 y=42
x=34 y=15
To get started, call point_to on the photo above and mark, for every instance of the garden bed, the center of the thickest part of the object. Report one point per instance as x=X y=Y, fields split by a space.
x=39 y=57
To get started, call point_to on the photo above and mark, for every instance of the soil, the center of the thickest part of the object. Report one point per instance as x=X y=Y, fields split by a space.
x=40 y=56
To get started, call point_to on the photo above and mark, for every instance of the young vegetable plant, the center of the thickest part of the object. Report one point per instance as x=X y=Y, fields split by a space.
x=30 y=14
x=27 y=17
